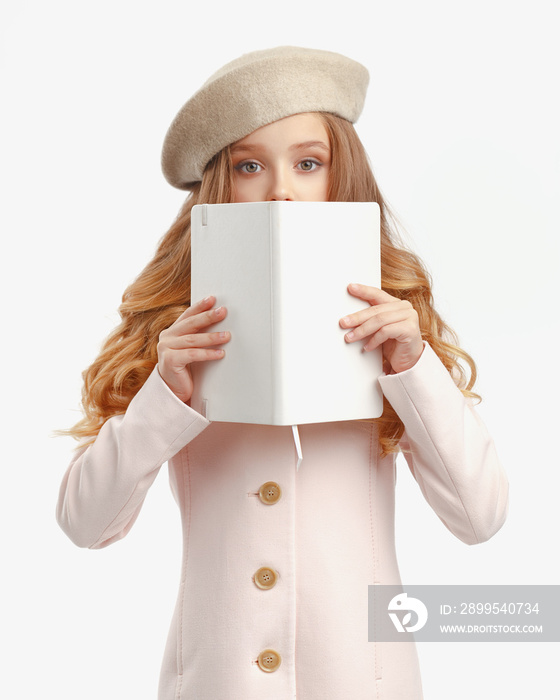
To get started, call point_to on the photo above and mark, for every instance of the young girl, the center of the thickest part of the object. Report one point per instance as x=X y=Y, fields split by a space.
x=277 y=562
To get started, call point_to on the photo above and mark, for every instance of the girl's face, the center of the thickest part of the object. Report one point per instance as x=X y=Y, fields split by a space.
x=288 y=160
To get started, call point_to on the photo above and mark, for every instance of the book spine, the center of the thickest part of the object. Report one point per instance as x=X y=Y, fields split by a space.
x=277 y=331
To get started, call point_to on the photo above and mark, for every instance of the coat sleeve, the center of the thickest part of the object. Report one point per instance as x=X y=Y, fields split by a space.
x=105 y=485
x=449 y=450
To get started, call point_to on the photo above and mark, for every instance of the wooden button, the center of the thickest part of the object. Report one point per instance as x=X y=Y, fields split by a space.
x=265 y=578
x=270 y=493
x=269 y=660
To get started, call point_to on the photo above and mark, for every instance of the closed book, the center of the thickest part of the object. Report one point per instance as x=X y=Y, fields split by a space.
x=282 y=270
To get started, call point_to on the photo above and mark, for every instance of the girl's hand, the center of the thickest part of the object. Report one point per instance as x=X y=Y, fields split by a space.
x=390 y=322
x=183 y=343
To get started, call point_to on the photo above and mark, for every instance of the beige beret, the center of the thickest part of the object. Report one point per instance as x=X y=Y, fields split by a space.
x=252 y=91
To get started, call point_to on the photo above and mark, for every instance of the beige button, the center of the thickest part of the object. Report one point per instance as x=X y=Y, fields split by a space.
x=270 y=492
x=269 y=660
x=265 y=578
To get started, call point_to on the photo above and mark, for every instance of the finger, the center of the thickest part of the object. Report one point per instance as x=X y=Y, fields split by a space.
x=182 y=358
x=381 y=317
x=198 y=340
x=197 y=307
x=372 y=294
x=197 y=322
x=204 y=354
x=399 y=332
x=358 y=317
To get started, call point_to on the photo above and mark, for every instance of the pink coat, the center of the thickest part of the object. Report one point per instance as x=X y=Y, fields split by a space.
x=286 y=567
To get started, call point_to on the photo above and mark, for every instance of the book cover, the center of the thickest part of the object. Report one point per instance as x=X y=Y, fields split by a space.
x=282 y=270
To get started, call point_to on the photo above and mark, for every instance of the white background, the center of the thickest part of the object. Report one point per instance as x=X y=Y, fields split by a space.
x=461 y=125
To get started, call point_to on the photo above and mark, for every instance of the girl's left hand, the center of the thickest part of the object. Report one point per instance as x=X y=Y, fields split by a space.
x=388 y=321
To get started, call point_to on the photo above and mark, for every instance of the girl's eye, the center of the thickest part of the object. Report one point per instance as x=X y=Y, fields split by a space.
x=248 y=167
x=308 y=165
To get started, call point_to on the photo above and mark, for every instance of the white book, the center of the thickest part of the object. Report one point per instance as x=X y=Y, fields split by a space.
x=282 y=270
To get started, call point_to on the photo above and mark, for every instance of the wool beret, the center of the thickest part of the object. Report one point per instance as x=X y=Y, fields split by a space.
x=254 y=90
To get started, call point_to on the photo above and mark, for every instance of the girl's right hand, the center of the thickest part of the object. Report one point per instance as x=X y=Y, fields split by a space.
x=183 y=343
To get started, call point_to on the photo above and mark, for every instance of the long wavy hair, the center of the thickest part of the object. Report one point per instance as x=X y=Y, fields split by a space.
x=162 y=291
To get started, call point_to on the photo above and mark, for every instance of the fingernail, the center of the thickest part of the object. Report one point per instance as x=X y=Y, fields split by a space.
x=345 y=320
x=218 y=311
x=353 y=286
x=223 y=334
x=206 y=300
x=350 y=335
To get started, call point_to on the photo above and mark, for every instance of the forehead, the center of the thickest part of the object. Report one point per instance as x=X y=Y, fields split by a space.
x=297 y=128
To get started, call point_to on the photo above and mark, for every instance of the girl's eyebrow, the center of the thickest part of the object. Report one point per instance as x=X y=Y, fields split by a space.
x=252 y=147
x=310 y=144
x=248 y=147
